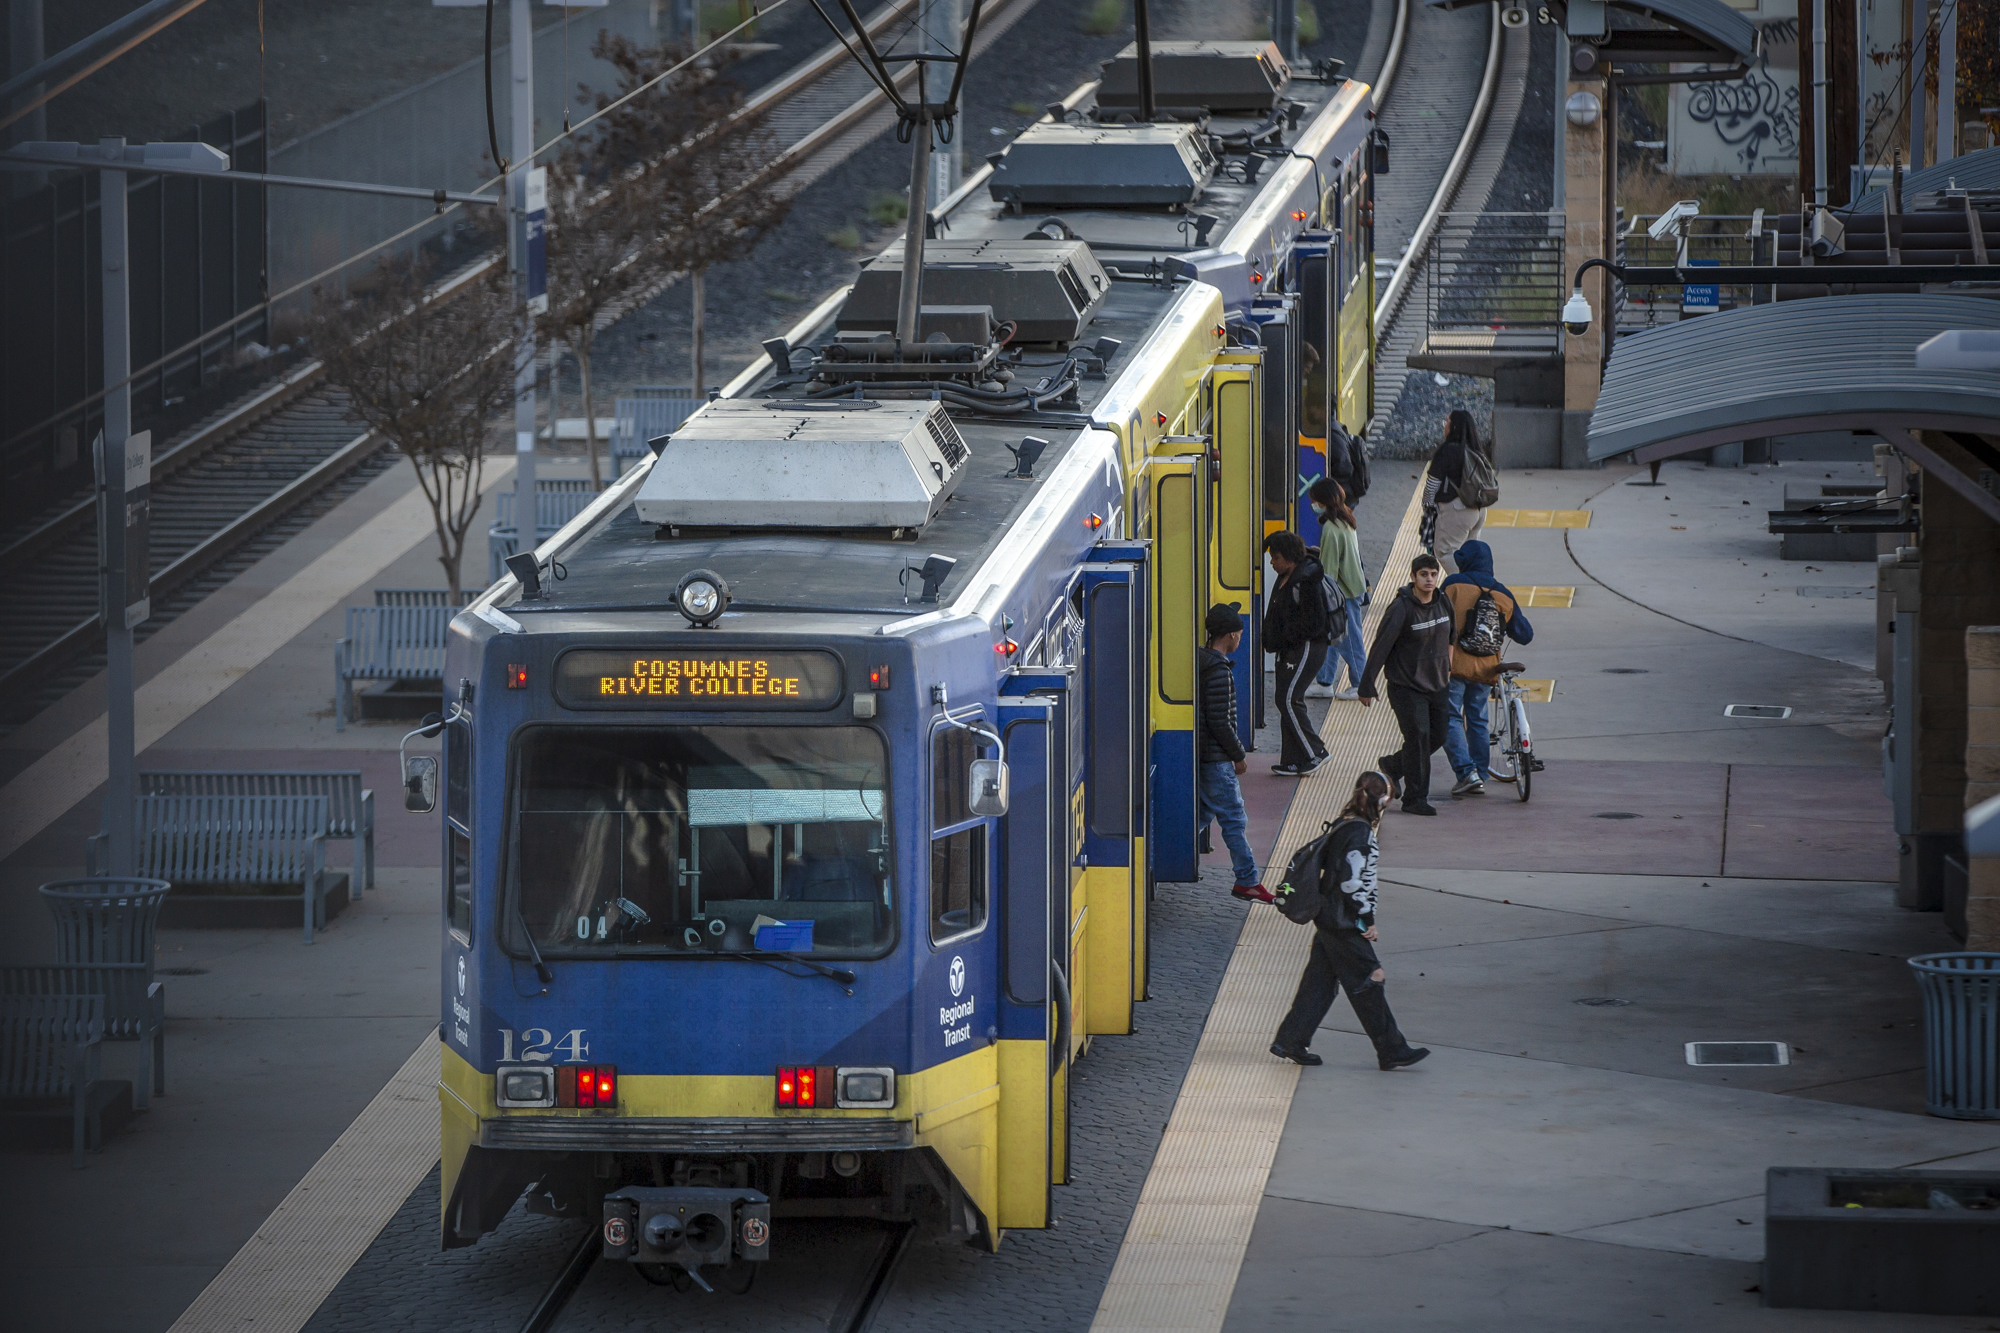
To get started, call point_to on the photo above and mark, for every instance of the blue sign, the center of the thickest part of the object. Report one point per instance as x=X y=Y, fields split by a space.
x=1701 y=298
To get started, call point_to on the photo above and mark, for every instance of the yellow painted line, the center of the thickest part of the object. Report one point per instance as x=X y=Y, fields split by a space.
x=50 y=786
x=1538 y=518
x=283 y=1272
x=1543 y=594
x=1537 y=691
x=1178 y=1264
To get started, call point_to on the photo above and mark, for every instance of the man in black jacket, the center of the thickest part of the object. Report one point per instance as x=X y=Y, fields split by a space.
x=1221 y=752
x=1296 y=625
x=1414 y=643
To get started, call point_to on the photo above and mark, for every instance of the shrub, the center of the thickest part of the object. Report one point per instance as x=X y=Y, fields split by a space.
x=1103 y=17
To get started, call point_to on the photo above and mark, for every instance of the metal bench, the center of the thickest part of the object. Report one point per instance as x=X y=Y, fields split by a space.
x=387 y=643
x=423 y=596
x=652 y=411
x=236 y=840
x=50 y=1048
x=135 y=1008
x=105 y=920
x=350 y=806
x=556 y=503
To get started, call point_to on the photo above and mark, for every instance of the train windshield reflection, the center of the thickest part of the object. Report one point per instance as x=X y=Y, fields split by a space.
x=679 y=840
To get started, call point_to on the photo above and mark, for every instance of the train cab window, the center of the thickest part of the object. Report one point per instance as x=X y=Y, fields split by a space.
x=458 y=824
x=678 y=841
x=459 y=909
x=958 y=838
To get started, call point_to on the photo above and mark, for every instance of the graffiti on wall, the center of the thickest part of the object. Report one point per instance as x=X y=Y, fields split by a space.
x=1742 y=127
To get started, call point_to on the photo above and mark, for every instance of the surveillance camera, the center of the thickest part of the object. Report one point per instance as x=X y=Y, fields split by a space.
x=1514 y=16
x=1576 y=313
x=1668 y=222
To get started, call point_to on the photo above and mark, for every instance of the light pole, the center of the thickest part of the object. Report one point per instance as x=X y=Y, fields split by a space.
x=521 y=157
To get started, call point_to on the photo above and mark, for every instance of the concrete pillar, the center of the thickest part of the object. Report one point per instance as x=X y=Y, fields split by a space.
x=1583 y=238
x=1982 y=787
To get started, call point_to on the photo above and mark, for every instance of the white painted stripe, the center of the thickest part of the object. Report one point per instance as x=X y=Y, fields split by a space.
x=47 y=788
x=283 y=1272
x=1177 y=1267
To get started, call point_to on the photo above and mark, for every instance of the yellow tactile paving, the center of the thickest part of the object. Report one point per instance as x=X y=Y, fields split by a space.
x=1545 y=595
x=1177 y=1267
x=1538 y=518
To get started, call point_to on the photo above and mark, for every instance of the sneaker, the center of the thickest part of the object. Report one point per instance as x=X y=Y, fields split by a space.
x=1386 y=767
x=1410 y=1056
x=1317 y=762
x=1293 y=770
x=1252 y=893
x=1299 y=1055
x=1350 y=693
x=1469 y=785
x=1419 y=808
x=1319 y=691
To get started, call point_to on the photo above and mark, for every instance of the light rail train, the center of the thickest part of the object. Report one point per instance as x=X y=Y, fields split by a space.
x=804 y=798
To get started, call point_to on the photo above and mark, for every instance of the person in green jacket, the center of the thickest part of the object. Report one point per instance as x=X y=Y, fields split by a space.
x=1339 y=553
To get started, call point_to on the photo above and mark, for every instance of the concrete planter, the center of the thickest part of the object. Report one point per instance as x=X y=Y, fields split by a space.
x=1882 y=1240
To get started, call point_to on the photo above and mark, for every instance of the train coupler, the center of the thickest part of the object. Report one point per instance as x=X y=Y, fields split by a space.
x=686 y=1227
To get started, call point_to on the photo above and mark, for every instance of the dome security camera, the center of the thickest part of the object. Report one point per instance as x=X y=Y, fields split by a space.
x=1576 y=313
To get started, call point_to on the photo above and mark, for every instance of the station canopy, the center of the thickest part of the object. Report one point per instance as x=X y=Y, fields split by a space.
x=1827 y=363
x=1688 y=31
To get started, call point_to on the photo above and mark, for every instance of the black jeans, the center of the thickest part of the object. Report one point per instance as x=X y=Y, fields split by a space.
x=1301 y=744
x=1342 y=960
x=1423 y=718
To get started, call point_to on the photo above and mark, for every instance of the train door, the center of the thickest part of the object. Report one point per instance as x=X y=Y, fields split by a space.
x=1236 y=564
x=1180 y=582
x=1280 y=414
x=1319 y=337
x=1354 y=291
x=1034 y=1017
x=1106 y=928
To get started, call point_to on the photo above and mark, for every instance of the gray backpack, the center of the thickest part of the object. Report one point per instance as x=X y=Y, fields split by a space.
x=1481 y=485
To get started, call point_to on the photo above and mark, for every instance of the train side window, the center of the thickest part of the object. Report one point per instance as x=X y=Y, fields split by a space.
x=458 y=908
x=458 y=771
x=958 y=840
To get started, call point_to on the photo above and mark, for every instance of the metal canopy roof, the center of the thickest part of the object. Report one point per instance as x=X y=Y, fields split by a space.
x=1829 y=363
x=1710 y=20
x=1974 y=171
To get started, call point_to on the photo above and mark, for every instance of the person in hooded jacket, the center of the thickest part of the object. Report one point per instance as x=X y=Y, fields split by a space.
x=1413 y=642
x=1466 y=742
x=1295 y=628
x=1343 y=952
x=1221 y=751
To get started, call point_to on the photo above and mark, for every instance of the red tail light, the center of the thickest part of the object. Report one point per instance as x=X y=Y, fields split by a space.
x=587 y=1085
x=808 y=1085
x=517 y=676
x=607 y=1085
x=788 y=1086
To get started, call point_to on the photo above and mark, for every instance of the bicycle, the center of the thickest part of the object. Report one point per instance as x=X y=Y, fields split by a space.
x=1509 y=732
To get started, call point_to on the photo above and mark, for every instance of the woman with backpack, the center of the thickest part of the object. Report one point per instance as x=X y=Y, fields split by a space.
x=1459 y=486
x=1297 y=624
x=1339 y=553
x=1343 y=952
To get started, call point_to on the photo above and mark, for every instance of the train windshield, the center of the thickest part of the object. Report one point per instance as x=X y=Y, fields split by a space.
x=686 y=840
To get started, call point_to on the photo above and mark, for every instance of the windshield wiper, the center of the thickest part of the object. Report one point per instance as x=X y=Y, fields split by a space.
x=770 y=957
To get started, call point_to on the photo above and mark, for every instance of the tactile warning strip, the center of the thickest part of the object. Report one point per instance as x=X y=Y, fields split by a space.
x=1178 y=1264
x=1538 y=518
x=286 y=1269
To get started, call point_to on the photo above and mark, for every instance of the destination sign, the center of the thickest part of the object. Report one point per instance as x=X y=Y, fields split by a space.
x=700 y=678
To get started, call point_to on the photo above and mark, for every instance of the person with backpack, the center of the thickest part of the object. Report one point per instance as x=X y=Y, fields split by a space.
x=1459 y=487
x=1331 y=883
x=1347 y=463
x=1485 y=614
x=1221 y=751
x=1413 y=643
x=1297 y=624
x=1339 y=553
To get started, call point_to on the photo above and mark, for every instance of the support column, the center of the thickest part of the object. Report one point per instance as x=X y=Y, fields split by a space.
x=1982 y=784
x=1583 y=238
x=520 y=154
x=118 y=678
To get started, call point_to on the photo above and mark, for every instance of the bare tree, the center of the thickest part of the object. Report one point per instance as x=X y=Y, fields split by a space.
x=429 y=370
x=602 y=248
x=705 y=171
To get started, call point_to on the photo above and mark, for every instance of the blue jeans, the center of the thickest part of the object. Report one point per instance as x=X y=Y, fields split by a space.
x=1348 y=649
x=1222 y=801
x=1465 y=729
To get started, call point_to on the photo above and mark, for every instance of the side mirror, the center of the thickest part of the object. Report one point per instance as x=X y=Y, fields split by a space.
x=420 y=783
x=989 y=787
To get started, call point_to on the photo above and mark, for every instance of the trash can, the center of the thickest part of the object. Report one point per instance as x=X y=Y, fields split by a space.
x=104 y=920
x=1961 y=1033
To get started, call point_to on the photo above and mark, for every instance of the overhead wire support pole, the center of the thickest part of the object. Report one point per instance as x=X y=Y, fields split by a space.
x=24 y=158
x=909 y=306
x=120 y=787
x=521 y=105
x=1143 y=30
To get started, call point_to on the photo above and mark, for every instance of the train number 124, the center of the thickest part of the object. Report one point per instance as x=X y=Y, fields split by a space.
x=541 y=1044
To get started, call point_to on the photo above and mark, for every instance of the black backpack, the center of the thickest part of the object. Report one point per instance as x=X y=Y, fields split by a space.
x=1484 y=634
x=1336 y=607
x=1352 y=471
x=1300 y=895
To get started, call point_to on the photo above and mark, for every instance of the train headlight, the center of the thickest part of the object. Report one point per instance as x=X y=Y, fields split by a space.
x=702 y=596
x=524 y=1085
x=865 y=1087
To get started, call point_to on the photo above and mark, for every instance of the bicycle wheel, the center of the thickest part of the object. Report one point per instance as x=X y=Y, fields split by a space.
x=1524 y=757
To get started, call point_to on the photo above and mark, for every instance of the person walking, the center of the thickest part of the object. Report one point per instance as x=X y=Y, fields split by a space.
x=1485 y=614
x=1344 y=936
x=1339 y=553
x=1459 y=486
x=1295 y=628
x=1413 y=643
x=1222 y=757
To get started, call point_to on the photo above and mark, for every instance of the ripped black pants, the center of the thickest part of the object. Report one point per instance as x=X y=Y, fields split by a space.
x=1342 y=960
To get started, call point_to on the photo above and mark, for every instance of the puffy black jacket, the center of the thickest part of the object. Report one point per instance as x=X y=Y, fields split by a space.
x=1297 y=614
x=1217 y=708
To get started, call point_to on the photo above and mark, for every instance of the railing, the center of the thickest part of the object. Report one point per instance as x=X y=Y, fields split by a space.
x=1496 y=272
x=1713 y=239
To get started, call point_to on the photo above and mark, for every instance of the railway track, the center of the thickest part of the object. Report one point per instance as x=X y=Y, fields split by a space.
x=255 y=474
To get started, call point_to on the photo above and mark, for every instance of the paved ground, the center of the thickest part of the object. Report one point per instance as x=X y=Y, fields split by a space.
x=1557 y=1164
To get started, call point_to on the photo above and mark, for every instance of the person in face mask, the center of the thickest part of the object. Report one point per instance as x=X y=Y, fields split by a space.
x=1340 y=554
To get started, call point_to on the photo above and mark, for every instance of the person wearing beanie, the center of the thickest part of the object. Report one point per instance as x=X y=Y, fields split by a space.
x=1220 y=751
